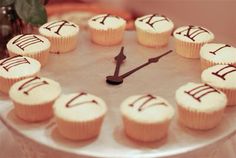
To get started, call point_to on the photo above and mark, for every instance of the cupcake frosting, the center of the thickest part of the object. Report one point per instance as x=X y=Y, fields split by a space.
x=59 y=28
x=35 y=90
x=147 y=108
x=222 y=76
x=218 y=52
x=200 y=97
x=18 y=66
x=154 y=23
x=193 y=34
x=28 y=43
x=79 y=107
x=106 y=21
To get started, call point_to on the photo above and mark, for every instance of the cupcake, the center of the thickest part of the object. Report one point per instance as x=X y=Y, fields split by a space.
x=222 y=77
x=33 y=98
x=31 y=45
x=217 y=54
x=153 y=30
x=146 y=118
x=106 y=29
x=189 y=40
x=16 y=68
x=200 y=106
x=79 y=116
x=62 y=34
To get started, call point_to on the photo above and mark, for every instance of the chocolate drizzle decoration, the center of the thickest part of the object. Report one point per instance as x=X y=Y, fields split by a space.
x=14 y=61
x=103 y=18
x=193 y=31
x=200 y=91
x=70 y=103
x=149 y=19
x=214 y=52
x=224 y=71
x=145 y=100
x=32 y=84
x=26 y=40
x=58 y=25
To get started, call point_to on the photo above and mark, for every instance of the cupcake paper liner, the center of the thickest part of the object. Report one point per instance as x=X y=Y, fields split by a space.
x=34 y=113
x=187 y=49
x=231 y=95
x=107 y=37
x=153 y=39
x=79 y=130
x=199 y=120
x=205 y=63
x=145 y=132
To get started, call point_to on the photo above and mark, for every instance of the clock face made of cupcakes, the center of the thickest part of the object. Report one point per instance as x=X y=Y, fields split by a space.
x=127 y=63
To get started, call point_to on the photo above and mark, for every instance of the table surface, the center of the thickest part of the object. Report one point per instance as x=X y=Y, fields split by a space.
x=82 y=60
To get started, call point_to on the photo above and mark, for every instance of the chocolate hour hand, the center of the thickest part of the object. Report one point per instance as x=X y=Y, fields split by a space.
x=116 y=79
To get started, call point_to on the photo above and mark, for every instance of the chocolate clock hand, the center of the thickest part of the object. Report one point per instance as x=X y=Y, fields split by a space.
x=116 y=79
x=151 y=60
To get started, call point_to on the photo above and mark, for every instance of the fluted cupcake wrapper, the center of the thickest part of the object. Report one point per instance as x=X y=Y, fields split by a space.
x=145 y=132
x=231 y=95
x=188 y=49
x=62 y=44
x=41 y=56
x=107 y=37
x=199 y=120
x=153 y=39
x=208 y=63
x=34 y=113
x=6 y=83
x=79 y=130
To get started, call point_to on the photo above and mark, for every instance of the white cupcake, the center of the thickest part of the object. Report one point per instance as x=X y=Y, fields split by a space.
x=189 y=40
x=16 y=68
x=31 y=45
x=217 y=53
x=79 y=116
x=62 y=34
x=222 y=77
x=153 y=30
x=33 y=98
x=146 y=117
x=106 y=29
x=200 y=106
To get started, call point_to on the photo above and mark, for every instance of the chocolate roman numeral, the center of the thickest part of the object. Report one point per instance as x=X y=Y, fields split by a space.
x=201 y=91
x=72 y=103
x=193 y=31
x=58 y=25
x=149 y=19
x=214 y=52
x=11 y=62
x=32 y=84
x=146 y=99
x=26 y=40
x=224 y=71
x=103 y=18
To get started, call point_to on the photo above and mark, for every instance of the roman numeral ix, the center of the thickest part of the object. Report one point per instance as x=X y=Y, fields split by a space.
x=58 y=25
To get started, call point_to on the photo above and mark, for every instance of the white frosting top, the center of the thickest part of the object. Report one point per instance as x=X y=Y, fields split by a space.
x=193 y=34
x=227 y=79
x=210 y=99
x=59 y=28
x=106 y=21
x=35 y=90
x=154 y=23
x=79 y=107
x=147 y=109
x=28 y=43
x=18 y=66
x=219 y=53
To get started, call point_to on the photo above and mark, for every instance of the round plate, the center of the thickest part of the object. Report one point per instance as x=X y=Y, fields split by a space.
x=86 y=68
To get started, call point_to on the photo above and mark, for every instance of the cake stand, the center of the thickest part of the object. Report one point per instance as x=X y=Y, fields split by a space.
x=85 y=69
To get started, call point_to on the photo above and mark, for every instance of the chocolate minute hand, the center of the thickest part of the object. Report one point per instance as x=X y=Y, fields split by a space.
x=151 y=60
